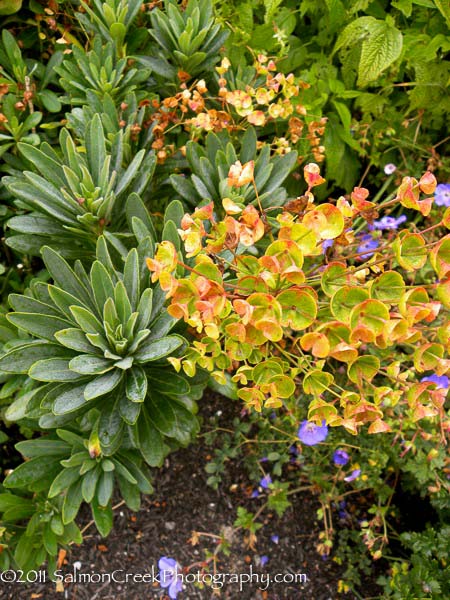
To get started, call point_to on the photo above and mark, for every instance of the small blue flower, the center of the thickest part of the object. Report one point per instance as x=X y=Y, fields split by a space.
x=367 y=246
x=293 y=450
x=340 y=457
x=327 y=244
x=311 y=434
x=389 y=222
x=264 y=560
x=442 y=382
x=442 y=194
x=353 y=475
x=275 y=539
x=255 y=494
x=265 y=481
x=168 y=576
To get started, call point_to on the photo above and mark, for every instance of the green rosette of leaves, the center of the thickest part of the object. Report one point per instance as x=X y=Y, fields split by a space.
x=99 y=349
x=209 y=167
x=71 y=200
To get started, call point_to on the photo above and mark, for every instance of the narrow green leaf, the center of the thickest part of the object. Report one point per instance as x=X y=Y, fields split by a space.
x=72 y=502
x=129 y=411
x=53 y=369
x=131 y=278
x=89 y=484
x=102 y=284
x=151 y=443
x=95 y=148
x=105 y=488
x=103 y=517
x=43 y=326
x=63 y=481
x=69 y=399
x=21 y=359
x=157 y=349
x=86 y=320
x=30 y=471
x=89 y=364
x=42 y=447
x=103 y=385
x=136 y=384
x=74 y=339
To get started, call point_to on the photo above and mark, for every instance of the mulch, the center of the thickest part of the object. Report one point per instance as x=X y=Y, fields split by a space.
x=183 y=503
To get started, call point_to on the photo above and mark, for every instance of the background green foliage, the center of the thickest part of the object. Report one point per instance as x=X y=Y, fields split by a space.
x=375 y=69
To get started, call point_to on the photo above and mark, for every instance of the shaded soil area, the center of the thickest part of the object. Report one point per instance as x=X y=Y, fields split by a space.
x=183 y=503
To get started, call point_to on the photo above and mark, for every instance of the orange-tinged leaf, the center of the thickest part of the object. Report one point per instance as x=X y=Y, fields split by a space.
x=319 y=410
x=440 y=257
x=359 y=200
x=311 y=173
x=410 y=251
x=371 y=314
x=379 y=426
x=428 y=183
x=446 y=218
x=299 y=308
x=252 y=396
x=428 y=356
x=271 y=329
x=231 y=208
x=443 y=292
x=344 y=352
x=306 y=239
x=287 y=252
x=363 y=368
x=345 y=299
x=325 y=220
x=334 y=276
x=316 y=382
x=280 y=386
x=257 y=118
x=350 y=425
x=240 y=175
x=388 y=287
x=317 y=343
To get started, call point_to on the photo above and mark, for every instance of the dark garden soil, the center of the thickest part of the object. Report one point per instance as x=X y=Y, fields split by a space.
x=182 y=503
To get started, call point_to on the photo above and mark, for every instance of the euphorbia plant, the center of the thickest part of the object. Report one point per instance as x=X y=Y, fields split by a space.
x=309 y=307
x=98 y=351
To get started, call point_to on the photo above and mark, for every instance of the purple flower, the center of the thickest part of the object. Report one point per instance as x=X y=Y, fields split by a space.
x=255 y=494
x=264 y=560
x=168 y=575
x=263 y=459
x=389 y=222
x=343 y=514
x=367 y=246
x=293 y=450
x=390 y=168
x=265 y=482
x=311 y=434
x=442 y=381
x=442 y=194
x=327 y=244
x=353 y=475
x=340 y=457
x=275 y=539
